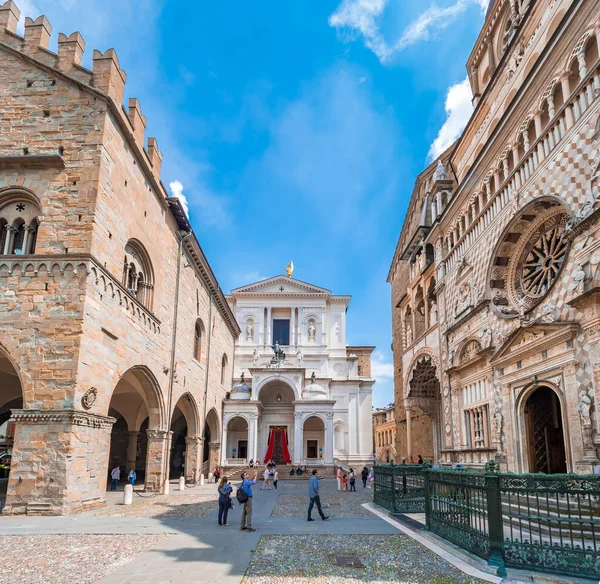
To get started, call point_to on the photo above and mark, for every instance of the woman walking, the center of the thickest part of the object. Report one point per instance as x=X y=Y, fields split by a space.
x=364 y=475
x=352 y=480
x=224 y=490
x=275 y=479
x=266 y=479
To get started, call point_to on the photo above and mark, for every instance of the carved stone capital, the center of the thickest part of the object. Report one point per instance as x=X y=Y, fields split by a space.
x=197 y=440
x=156 y=434
x=72 y=417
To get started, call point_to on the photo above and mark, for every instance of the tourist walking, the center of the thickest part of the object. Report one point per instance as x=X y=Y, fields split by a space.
x=313 y=493
x=115 y=475
x=339 y=478
x=244 y=496
x=275 y=479
x=224 y=489
x=364 y=475
x=131 y=477
x=352 y=478
x=217 y=474
x=266 y=479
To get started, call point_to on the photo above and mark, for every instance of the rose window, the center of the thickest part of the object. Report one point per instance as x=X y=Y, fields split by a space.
x=543 y=261
x=529 y=258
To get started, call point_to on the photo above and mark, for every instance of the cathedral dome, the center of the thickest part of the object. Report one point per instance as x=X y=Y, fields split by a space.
x=242 y=391
x=313 y=390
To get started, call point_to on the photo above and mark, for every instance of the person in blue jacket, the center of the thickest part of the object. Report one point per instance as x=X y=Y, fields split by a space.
x=225 y=490
x=313 y=493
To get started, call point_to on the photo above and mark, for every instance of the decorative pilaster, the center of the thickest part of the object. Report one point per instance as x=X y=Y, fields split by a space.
x=297 y=445
x=329 y=439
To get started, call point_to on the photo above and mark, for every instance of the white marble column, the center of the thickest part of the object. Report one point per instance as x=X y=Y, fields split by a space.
x=269 y=327
x=297 y=445
x=293 y=327
x=253 y=437
x=225 y=445
x=353 y=429
x=300 y=325
x=329 y=439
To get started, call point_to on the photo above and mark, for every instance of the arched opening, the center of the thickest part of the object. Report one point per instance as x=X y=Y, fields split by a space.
x=545 y=436
x=339 y=438
x=419 y=313
x=11 y=398
x=210 y=455
x=137 y=407
x=199 y=335
x=313 y=446
x=276 y=424
x=237 y=439
x=424 y=394
x=138 y=275
x=19 y=221
x=223 y=369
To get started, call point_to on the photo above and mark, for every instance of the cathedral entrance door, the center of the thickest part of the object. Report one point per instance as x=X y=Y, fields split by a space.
x=546 y=446
x=278 y=456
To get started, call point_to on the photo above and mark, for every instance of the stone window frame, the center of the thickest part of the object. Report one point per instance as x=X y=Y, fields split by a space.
x=477 y=425
x=138 y=275
x=199 y=335
x=19 y=221
x=224 y=361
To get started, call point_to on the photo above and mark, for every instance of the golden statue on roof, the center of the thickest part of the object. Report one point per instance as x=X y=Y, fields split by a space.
x=289 y=269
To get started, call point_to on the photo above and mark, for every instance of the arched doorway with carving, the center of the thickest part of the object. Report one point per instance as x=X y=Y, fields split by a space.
x=276 y=422
x=423 y=395
x=545 y=450
x=11 y=398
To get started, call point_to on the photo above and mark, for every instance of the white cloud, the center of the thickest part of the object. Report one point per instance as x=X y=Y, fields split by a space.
x=177 y=191
x=458 y=111
x=381 y=369
x=361 y=18
x=27 y=8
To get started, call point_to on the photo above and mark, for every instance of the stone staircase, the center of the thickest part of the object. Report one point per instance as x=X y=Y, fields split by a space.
x=234 y=472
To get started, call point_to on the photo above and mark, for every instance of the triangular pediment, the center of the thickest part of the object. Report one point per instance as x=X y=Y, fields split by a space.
x=280 y=285
x=534 y=338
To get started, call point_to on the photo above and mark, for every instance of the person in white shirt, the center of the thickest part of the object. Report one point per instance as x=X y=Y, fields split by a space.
x=275 y=478
x=266 y=480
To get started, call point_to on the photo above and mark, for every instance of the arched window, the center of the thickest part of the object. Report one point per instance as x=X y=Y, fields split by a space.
x=223 y=368
x=19 y=223
x=138 y=276
x=199 y=340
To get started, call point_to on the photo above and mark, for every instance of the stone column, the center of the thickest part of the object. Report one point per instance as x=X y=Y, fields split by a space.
x=8 y=239
x=193 y=458
x=408 y=434
x=253 y=437
x=224 y=442
x=293 y=327
x=132 y=450
x=329 y=439
x=297 y=446
x=269 y=327
x=157 y=460
x=213 y=455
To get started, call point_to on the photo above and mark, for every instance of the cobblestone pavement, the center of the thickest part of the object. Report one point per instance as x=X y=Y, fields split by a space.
x=340 y=504
x=299 y=559
x=68 y=559
x=193 y=505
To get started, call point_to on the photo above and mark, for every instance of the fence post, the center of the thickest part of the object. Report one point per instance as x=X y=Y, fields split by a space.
x=427 y=497
x=393 y=488
x=495 y=521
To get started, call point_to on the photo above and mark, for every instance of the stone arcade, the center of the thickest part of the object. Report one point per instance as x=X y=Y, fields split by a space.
x=311 y=399
x=116 y=342
x=496 y=276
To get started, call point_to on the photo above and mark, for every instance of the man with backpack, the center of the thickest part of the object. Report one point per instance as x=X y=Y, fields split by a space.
x=244 y=496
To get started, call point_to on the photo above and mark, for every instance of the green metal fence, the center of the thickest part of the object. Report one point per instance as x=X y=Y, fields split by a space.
x=400 y=488
x=542 y=522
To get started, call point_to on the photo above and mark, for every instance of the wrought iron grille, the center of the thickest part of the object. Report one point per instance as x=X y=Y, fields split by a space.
x=456 y=508
x=400 y=488
x=552 y=522
x=542 y=522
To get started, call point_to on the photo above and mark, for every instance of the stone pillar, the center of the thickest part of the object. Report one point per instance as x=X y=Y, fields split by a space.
x=224 y=442
x=253 y=437
x=408 y=435
x=59 y=462
x=157 y=460
x=213 y=455
x=269 y=327
x=329 y=439
x=193 y=458
x=293 y=327
x=132 y=450
x=297 y=446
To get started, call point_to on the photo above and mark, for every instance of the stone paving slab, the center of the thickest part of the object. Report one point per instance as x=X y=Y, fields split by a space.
x=334 y=503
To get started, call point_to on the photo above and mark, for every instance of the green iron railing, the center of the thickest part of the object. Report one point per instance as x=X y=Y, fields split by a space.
x=542 y=522
x=400 y=488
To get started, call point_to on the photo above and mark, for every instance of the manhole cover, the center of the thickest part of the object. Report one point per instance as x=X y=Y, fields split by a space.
x=349 y=561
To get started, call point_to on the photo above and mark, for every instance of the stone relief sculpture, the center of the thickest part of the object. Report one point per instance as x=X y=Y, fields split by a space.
x=311 y=330
x=440 y=172
x=498 y=427
x=433 y=313
x=255 y=356
x=585 y=405
x=408 y=334
x=337 y=330
x=249 y=331
x=578 y=279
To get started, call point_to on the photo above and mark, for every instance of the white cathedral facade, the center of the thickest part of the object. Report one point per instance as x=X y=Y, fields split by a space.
x=300 y=395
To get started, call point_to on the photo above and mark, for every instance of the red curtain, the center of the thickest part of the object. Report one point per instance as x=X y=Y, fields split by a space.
x=284 y=447
x=271 y=446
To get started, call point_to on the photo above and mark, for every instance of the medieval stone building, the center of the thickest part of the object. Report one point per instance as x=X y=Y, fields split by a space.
x=384 y=434
x=116 y=342
x=496 y=275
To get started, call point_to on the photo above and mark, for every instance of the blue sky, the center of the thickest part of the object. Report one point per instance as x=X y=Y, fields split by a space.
x=294 y=129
